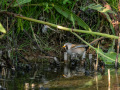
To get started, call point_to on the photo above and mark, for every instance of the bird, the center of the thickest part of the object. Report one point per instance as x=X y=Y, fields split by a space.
x=77 y=49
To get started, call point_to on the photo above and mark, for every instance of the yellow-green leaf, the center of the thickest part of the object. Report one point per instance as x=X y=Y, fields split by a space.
x=2 y=29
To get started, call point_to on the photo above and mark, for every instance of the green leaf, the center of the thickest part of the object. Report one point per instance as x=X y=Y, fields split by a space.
x=72 y=19
x=113 y=56
x=71 y=16
x=20 y=25
x=110 y=57
x=111 y=49
x=99 y=8
x=112 y=28
x=21 y=2
x=66 y=1
x=2 y=29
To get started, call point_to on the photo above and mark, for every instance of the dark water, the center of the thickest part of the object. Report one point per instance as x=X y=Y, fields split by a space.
x=46 y=77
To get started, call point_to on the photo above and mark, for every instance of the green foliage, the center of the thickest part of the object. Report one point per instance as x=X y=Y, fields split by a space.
x=99 y=8
x=67 y=1
x=20 y=25
x=3 y=4
x=47 y=8
x=113 y=4
x=71 y=16
x=21 y=2
x=112 y=57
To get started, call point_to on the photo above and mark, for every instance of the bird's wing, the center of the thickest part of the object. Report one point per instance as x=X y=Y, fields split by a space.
x=80 y=46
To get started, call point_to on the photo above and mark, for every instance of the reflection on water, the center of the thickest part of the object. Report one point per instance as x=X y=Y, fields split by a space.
x=74 y=71
x=45 y=77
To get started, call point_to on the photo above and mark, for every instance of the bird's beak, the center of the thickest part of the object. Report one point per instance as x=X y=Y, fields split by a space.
x=64 y=46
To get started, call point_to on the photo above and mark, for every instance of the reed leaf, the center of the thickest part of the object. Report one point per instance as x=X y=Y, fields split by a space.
x=71 y=16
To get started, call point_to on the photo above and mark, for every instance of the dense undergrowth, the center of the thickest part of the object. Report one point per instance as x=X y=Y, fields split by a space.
x=24 y=38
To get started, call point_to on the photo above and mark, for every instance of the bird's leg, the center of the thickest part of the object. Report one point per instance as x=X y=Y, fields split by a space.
x=83 y=59
x=65 y=57
x=84 y=55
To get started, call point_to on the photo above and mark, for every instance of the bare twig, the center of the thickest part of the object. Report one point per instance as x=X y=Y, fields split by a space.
x=19 y=5
x=96 y=40
x=11 y=3
x=108 y=79
x=96 y=65
x=95 y=1
x=116 y=61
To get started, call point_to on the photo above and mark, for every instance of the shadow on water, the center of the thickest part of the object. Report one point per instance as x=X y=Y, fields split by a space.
x=50 y=77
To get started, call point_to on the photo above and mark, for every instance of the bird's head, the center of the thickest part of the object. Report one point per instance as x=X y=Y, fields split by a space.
x=67 y=46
